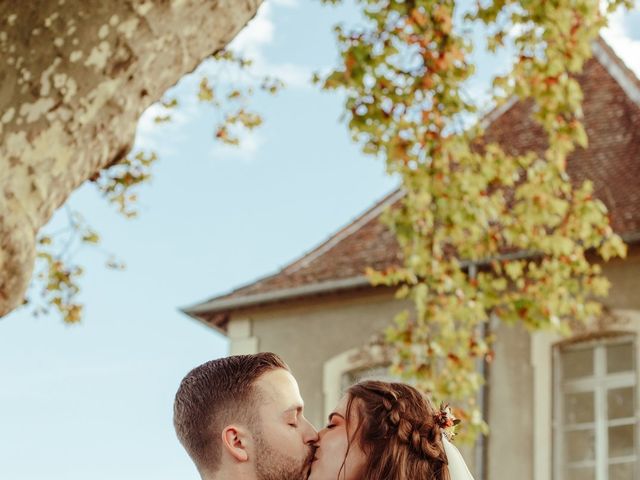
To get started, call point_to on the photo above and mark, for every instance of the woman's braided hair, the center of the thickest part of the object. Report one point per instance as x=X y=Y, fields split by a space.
x=399 y=431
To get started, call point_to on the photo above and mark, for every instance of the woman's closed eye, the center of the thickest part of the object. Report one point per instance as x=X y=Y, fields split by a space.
x=334 y=421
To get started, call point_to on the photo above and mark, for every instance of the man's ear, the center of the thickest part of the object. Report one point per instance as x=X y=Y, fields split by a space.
x=235 y=441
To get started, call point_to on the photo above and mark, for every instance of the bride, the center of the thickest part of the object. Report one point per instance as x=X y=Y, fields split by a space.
x=387 y=431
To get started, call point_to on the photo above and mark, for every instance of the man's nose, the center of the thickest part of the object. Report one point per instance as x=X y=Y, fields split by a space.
x=310 y=434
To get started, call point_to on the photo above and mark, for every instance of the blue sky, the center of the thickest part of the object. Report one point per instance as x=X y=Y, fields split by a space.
x=94 y=400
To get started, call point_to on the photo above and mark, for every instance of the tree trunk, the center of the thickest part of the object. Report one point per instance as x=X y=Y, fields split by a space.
x=75 y=76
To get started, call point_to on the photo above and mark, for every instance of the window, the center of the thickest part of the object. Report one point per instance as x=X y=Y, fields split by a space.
x=380 y=372
x=595 y=411
x=348 y=367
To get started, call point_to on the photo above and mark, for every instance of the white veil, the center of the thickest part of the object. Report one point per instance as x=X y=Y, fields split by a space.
x=458 y=469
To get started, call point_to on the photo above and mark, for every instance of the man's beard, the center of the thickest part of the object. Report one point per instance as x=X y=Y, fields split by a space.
x=274 y=465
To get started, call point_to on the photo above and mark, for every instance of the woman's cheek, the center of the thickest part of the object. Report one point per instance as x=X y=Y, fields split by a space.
x=333 y=451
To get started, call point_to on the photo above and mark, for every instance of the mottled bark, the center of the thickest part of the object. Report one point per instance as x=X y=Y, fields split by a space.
x=75 y=76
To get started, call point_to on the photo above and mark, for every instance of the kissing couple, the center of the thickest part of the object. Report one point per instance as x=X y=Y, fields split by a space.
x=242 y=418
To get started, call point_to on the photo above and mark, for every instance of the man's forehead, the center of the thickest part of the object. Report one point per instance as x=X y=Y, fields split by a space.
x=281 y=387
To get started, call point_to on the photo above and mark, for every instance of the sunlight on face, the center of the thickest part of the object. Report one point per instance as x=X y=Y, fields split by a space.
x=337 y=454
x=284 y=442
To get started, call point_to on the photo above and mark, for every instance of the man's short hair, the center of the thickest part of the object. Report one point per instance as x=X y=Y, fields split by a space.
x=214 y=395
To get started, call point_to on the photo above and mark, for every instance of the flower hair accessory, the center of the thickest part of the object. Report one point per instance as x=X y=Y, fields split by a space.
x=445 y=419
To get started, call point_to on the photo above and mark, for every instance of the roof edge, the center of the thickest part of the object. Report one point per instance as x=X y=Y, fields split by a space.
x=200 y=319
x=344 y=232
x=226 y=304
x=311 y=254
x=607 y=57
x=616 y=67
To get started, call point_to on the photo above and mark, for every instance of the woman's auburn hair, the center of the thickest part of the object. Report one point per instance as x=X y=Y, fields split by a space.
x=397 y=432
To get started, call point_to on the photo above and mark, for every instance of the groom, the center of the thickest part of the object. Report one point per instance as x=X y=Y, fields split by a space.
x=241 y=418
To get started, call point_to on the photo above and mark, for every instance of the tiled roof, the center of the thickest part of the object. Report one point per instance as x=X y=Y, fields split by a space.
x=612 y=161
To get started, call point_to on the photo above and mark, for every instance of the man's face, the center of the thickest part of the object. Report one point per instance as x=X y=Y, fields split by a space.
x=284 y=441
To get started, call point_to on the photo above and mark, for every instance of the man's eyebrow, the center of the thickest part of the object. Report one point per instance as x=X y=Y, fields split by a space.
x=295 y=408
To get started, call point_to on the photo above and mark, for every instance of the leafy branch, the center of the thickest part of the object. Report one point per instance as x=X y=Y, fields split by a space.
x=483 y=233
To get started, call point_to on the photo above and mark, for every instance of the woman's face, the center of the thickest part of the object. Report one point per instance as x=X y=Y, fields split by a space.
x=333 y=442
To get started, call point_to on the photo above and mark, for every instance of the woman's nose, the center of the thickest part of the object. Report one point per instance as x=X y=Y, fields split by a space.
x=319 y=439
